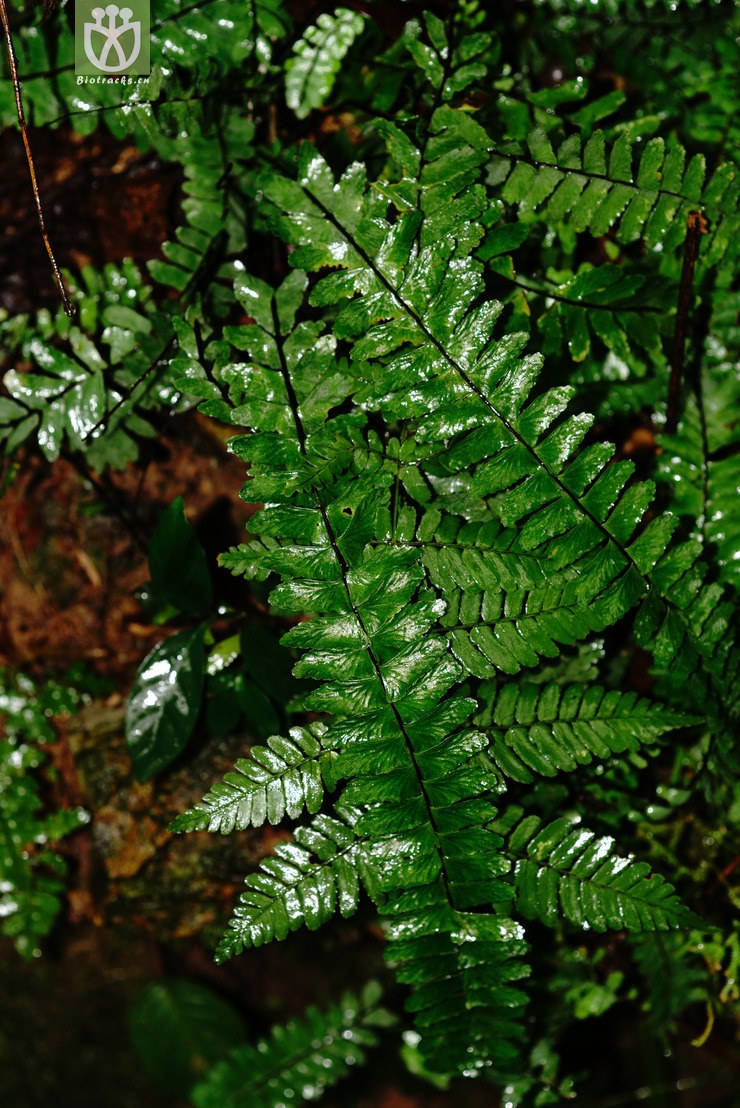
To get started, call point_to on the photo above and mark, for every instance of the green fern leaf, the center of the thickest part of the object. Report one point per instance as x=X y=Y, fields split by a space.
x=704 y=489
x=436 y=512
x=291 y=889
x=380 y=673
x=443 y=186
x=93 y=382
x=213 y=209
x=694 y=635
x=286 y=777
x=562 y=868
x=300 y=1060
x=504 y=631
x=31 y=871
x=439 y=367
x=226 y=33
x=605 y=304
x=547 y=729
x=596 y=187
x=700 y=464
x=675 y=974
x=424 y=339
x=463 y=969
x=310 y=75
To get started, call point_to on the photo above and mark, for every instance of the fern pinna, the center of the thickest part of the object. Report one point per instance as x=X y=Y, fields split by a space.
x=450 y=527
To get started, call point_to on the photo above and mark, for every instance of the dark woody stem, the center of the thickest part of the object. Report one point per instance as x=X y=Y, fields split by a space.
x=13 y=64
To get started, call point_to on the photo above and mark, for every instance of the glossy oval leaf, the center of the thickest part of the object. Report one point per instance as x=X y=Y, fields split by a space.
x=164 y=702
x=177 y=563
x=179 y=1030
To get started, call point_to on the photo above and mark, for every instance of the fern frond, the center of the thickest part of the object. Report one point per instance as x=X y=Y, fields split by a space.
x=693 y=636
x=304 y=883
x=443 y=184
x=226 y=32
x=437 y=364
x=675 y=974
x=505 y=631
x=418 y=771
x=606 y=304
x=31 y=871
x=452 y=59
x=300 y=1060
x=310 y=75
x=411 y=309
x=415 y=317
x=111 y=363
x=563 y=868
x=546 y=729
x=463 y=969
x=286 y=777
x=501 y=611
x=594 y=187
x=705 y=489
x=464 y=566
x=213 y=207
x=477 y=558
x=31 y=884
x=189 y=44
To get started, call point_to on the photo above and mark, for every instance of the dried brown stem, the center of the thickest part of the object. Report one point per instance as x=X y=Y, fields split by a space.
x=13 y=64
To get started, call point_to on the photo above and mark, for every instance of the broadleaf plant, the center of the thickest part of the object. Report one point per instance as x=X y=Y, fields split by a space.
x=426 y=282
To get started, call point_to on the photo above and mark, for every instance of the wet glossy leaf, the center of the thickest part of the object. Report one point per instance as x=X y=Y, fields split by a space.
x=279 y=779
x=544 y=731
x=303 y=884
x=564 y=869
x=444 y=539
x=311 y=74
x=164 y=702
x=654 y=204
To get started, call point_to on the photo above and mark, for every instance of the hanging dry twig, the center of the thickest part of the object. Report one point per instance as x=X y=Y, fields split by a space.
x=13 y=64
